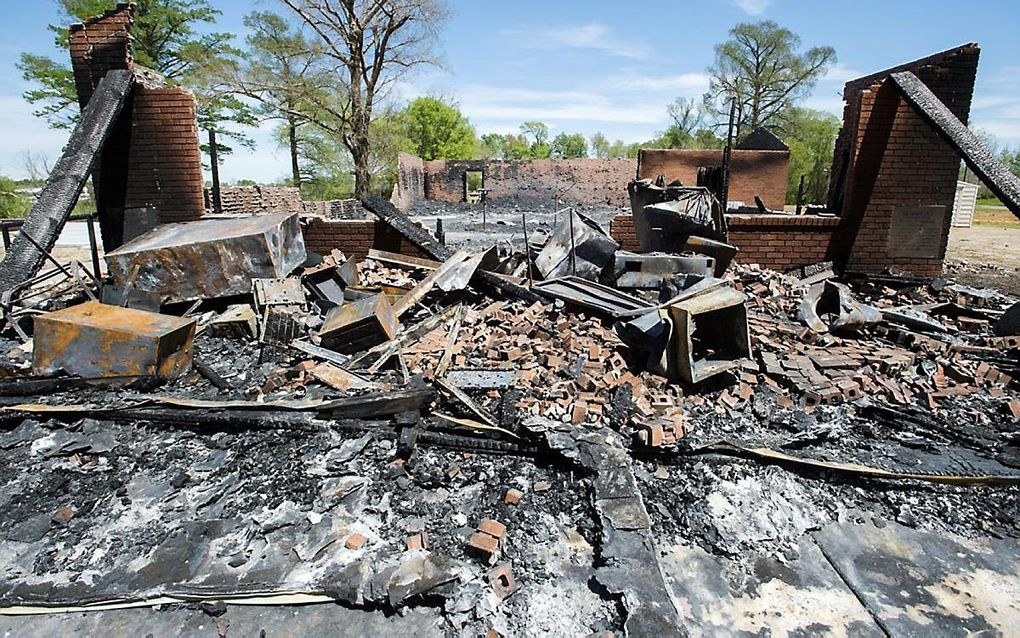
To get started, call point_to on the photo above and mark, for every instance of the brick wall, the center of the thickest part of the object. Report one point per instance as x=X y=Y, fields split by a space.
x=409 y=190
x=164 y=170
x=150 y=169
x=599 y=182
x=889 y=159
x=779 y=242
x=247 y=200
x=752 y=172
x=354 y=237
x=782 y=242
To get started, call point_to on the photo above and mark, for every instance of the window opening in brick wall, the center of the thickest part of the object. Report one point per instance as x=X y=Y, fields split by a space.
x=474 y=183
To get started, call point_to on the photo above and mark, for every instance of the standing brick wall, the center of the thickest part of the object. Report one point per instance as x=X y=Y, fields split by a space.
x=782 y=242
x=150 y=169
x=591 y=182
x=248 y=200
x=409 y=190
x=778 y=242
x=354 y=237
x=752 y=172
x=890 y=161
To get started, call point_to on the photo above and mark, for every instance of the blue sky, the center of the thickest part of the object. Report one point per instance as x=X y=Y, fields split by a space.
x=596 y=65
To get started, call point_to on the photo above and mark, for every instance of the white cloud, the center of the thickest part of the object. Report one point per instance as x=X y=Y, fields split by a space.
x=691 y=83
x=23 y=132
x=1005 y=130
x=841 y=73
x=826 y=101
x=592 y=37
x=503 y=107
x=753 y=7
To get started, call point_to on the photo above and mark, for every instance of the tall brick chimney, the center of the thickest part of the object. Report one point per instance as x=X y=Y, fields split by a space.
x=150 y=171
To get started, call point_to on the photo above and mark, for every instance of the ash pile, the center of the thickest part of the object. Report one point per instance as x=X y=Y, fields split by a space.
x=507 y=441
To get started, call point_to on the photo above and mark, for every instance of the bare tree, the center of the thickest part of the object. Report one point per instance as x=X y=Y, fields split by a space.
x=687 y=114
x=36 y=165
x=369 y=44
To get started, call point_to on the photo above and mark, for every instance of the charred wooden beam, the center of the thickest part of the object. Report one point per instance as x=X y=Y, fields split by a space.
x=60 y=194
x=985 y=164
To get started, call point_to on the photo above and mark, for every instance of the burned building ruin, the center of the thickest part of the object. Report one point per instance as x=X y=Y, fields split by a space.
x=601 y=397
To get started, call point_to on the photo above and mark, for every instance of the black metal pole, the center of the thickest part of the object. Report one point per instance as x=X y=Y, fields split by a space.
x=727 y=155
x=527 y=248
x=93 y=246
x=7 y=236
x=573 y=262
x=800 y=194
x=214 y=163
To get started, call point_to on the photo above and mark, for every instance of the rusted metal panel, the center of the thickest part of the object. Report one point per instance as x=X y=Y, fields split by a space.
x=95 y=340
x=710 y=333
x=359 y=325
x=210 y=258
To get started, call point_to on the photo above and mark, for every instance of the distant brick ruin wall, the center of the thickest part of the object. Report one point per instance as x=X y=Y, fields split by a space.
x=258 y=200
x=893 y=174
x=354 y=237
x=779 y=242
x=248 y=200
x=752 y=172
x=150 y=170
x=591 y=182
x=409 y=191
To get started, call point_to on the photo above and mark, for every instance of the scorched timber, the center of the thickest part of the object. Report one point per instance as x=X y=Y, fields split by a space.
x=60 y=194
x=993 y=173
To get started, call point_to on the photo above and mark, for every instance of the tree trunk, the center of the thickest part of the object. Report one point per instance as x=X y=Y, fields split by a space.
x=362 y=177
x=214 y=163
x=294 y=167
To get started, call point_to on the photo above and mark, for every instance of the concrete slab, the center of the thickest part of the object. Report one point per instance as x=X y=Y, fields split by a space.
x=805 y=597
x=919 y=583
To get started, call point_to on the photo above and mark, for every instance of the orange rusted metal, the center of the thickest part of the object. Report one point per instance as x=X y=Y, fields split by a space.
x=358 y=325
x=95 y=340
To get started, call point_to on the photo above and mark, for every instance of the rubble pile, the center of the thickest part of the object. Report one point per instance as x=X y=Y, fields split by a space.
x=464 y=433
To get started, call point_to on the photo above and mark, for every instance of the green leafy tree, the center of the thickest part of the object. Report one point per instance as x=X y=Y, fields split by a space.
x=494 y=146
x=437 y=130
x=761 y=67
x=599 y=145
x=367 y=46
x=165 y=40
x=811 y=136
x=538 y=131
x=279 y=71
x=569 y=146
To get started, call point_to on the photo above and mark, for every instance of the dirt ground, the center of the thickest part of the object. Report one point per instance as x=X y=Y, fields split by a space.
x=993 y=240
